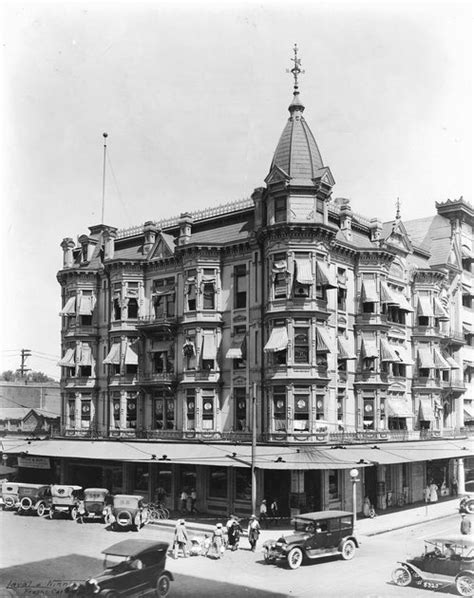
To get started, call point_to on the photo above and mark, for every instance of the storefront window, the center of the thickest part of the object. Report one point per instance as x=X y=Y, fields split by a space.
x=163 y=481
x=188 y=478
x=243 y=485
x=218 y=482
x=140 y=477
x=334 y=485
x=113 y=479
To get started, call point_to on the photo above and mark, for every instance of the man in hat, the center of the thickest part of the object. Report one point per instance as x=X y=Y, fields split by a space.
x=466 y=525
x=180 y=539
x=217 y=541
x=253 y=532
x=263 y=512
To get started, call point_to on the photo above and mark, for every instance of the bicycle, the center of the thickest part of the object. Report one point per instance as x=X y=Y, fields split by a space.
x=158 y=511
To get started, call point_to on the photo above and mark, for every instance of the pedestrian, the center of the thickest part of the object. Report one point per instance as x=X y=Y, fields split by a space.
x=217 y=541
x=433 y=492
x=180 y=539
x=183 y=500
x=426 y=493
x=206 y=545
x=274 y=511
x=189 y=502
x=466 y=525
x=196 y=547
x=233 y=532
x=253 y=532
x=263 y=513
x=454 y=486
x=193 y=500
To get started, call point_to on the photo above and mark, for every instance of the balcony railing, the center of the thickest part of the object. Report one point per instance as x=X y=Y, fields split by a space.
x=156 y=377
x=156 y=321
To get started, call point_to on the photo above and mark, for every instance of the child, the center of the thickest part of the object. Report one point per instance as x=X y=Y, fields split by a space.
x=196 y=546
x=206 y=545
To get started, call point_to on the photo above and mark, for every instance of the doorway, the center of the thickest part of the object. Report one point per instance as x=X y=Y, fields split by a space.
x=276 y=485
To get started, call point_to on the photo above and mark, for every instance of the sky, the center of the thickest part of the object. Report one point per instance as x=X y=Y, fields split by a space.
x=194 y=97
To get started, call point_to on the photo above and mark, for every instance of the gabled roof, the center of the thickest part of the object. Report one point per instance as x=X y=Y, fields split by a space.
x=433 y=234
x=164 y=246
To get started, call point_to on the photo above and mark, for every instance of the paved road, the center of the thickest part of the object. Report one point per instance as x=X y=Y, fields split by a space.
x=34 y=550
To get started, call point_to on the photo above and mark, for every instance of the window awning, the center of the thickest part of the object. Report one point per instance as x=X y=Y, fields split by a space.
x=343 y=349
x=68 y=360
x=399 y=408
x=304 y=274
x=402 y=301
x=85 y=354
x=235 y=350
x=425 y=358
x=439 y=310
x=387 y=295
x=369 y=348
x=426 y=410
x=453 y=364
x=369 y=291
x=323 y=340
x=113 y=356
x=467 y=289
x=440 y=361
x=403 y=354
x=167 y=290
x=425 y=308
x=70 y=307
x=386 y=351
x=324 y=276
x=467 y=253
x=278 y=340
x=279 y=267
x=468 y=411
x=131 y=357
x=209 y=347
x=208 y=280
x=86 y=305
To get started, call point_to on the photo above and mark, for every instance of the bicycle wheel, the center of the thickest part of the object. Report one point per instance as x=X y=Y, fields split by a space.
x=165 y=514
x=154 y=514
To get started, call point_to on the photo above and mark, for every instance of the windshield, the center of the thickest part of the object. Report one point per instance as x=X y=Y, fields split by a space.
x=310 y=527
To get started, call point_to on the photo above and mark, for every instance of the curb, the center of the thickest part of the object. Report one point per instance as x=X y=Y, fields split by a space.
x=396 y=527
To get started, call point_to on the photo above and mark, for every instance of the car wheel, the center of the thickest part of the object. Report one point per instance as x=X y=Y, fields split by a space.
x=295 y=558
x=9 y=502
x=470 y=507
x=348 y=550
x=163 y=586
x=41 y=509
x=74 y=514
x=401 y=576
x=465 y=584
x=51 y=513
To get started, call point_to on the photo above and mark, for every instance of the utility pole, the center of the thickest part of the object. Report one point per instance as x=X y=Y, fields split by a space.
x=25 y=353
x=254 y=447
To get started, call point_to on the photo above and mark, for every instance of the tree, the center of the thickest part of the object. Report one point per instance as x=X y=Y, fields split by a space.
x=11 y=376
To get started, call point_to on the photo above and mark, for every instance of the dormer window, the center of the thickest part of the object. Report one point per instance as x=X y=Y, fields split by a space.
x=280 y=209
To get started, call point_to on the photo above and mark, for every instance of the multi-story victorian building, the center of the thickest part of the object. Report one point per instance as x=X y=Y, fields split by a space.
x=350 y=338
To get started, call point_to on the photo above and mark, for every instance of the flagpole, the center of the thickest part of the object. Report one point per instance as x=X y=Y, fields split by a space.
x=104 y=135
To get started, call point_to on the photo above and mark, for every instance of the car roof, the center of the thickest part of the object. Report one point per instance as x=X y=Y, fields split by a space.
x=21 y=485
x=67 y=486
x=96 y=490
x=318 y=515
x=134 y=547
x=137 y=496
x=458 y=539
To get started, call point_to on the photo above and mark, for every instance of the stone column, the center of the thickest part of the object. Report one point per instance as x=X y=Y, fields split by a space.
x=461 y=477
x=123 y=410
x=77 y=411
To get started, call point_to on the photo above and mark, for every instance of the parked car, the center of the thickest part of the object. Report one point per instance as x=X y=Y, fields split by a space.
x=65 y=499
x=9 y=496
x=316 y=535
x=445 y=561
x=96 y=504
x=142 y=570
x=128 y=511
x=466 y=504
x=33 y=498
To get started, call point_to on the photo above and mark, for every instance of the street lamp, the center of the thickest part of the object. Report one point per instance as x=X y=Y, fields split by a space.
x=354 y=473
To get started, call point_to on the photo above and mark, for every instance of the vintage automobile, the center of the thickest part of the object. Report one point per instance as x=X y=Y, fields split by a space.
x=316 y=535
x=445 y=561
x=33 y=498
x=128 y=511
x=64 y=499
x=132 y=567
x=9 y=494
x=466 y=504
x=96 y=504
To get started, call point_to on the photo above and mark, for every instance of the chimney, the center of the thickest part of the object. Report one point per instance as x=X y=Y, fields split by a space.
x=376 y=228
x=109 y=236
x=185 y=223
x=149 y=230
x=67 y=247
x=257 y=197
x=345 y=216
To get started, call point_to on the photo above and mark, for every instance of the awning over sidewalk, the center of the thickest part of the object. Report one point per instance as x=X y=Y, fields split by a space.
x=298 y=457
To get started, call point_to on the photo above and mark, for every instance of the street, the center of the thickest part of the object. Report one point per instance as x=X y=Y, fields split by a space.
x=45 y=553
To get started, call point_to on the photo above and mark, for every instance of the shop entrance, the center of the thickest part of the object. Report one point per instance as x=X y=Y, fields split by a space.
x=276 y=485
x=370 y=484
x=313 y=490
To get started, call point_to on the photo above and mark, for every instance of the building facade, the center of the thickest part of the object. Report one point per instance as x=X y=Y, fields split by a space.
x=348 y=341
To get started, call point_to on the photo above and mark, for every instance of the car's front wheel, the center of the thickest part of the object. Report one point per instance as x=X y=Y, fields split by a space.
x=163 y=586
x=295 y=558
x=74 y=513
x=401 y=576
x=469 y=506
x=348 y=550
x=465 y=584
x=41 y=509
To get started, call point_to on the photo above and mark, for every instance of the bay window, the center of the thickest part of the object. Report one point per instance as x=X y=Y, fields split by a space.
x=301 y=343
x=208 y=410
x=190 y=409
x=279 y=408
x=164 y=411
x=301 y=409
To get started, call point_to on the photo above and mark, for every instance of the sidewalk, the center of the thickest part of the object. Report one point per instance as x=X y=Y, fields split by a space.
x=384 y=522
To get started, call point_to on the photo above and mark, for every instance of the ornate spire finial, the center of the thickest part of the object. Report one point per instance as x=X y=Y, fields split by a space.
x=398 y=209
x=295 y=71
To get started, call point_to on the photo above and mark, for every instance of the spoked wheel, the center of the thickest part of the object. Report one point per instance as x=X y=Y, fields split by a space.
x=74 y=513
x=470 y=507
x=465 y=584
x=9 y=502
x=154 y=516
x=163 y=586
x=401 y=576
x=295 y=558
x=41 y=510
x=348 y=550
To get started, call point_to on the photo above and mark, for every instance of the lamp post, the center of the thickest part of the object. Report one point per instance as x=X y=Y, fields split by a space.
x=354 y=473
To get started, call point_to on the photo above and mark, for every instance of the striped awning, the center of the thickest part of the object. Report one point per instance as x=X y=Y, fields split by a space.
x=399 y=407
x=85 y=354
x=86 y=305
x=425 y=358
x=387 y=295
x=304 y=274
x=453 y=364
x=69 y=308
x=235 y=350
x=467 y=253
x=369 y=291
x=403 y=354
x=426 y=410
x=113 y=356
x=278 y=340
x=403 y=302
x=386 y=352
x=209 y=347
x=439 y=310
x=323 y=340
x=425 y=307
x=68 y=359
x=344 y=351
x=440 y=361
x=468 y=411
x=131 y=356
x=324 y=276
x=369 y=348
